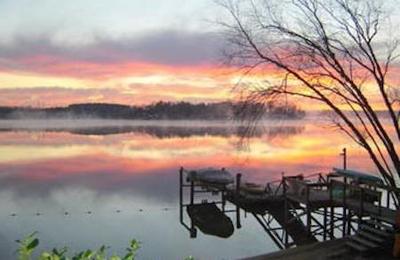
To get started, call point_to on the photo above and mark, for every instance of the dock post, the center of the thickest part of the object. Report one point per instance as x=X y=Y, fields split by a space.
x=237 y=194
x=361 y=206
x=181 y=194
x=332 y=211
x=223 y=199
x=308 y=208
x=344 y=154
x=344 y=216
x=325 y=222
x=380 y=206
x=193 y=230
x=388 y=199
x=349 y=222
x=285 y=207
x=191 y=191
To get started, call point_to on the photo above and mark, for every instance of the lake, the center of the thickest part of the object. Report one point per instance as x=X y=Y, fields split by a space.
x=85 y=183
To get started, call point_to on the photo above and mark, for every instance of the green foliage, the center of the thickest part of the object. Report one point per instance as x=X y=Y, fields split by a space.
x=28 y=245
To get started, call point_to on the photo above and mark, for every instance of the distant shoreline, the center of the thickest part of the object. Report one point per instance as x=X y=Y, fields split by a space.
x=157 y=111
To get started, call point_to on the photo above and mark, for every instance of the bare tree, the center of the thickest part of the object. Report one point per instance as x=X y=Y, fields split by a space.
x=335 y=52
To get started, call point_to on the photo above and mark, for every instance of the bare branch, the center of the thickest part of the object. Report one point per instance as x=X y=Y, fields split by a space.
x=326 y=52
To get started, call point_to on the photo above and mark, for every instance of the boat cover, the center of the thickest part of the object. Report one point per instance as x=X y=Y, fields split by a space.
x=211 y=175
x=360 y=176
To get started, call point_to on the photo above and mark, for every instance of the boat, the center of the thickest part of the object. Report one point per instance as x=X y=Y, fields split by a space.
x=252 y=188
x=211 y=175
x=360 y=177
x=210 y=220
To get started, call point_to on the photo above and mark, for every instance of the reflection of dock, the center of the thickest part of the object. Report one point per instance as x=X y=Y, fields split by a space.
x=299 y=210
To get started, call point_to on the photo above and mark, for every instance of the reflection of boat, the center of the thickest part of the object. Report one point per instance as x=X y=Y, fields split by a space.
x=210 y=219
x=211 y=175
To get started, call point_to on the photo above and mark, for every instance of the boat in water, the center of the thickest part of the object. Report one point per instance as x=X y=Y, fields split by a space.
x=252 y=188
x=211 y=175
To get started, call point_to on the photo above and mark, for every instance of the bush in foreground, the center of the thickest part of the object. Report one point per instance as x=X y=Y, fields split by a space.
x=28 y=245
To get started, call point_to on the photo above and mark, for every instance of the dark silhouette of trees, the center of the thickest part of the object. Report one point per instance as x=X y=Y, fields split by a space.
x=157 y=111
x=334 y=52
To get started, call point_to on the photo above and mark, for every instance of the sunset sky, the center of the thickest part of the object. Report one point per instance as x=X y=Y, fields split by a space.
x=54 y=53
x=132 y=52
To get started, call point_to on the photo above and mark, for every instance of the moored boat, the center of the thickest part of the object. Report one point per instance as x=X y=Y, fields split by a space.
x=211 y=175
x=252 y=188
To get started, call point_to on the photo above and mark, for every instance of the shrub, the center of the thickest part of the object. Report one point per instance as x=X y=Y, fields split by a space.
x=28 y=245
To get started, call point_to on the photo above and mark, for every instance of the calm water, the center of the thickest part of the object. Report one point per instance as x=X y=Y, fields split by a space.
x=126 y=174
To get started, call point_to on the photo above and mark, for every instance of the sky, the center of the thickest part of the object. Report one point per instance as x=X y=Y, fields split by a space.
x=56 y=53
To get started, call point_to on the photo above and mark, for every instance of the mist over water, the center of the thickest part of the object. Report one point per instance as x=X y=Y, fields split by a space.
x=159 y=129
x=125 y=173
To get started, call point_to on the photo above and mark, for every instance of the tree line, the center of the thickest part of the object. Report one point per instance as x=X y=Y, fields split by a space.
x=156 y=111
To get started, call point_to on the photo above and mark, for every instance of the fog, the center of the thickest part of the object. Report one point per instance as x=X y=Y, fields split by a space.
x=156 y=128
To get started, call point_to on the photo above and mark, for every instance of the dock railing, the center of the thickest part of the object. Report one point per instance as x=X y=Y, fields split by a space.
x=284 y=183
x=272 y=189
x=362 y=199
x=341 y=202
x=304 y=185
x=298 y=189
x=371 y=199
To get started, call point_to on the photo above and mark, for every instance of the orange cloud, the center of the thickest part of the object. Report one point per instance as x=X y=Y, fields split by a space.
x=126 y=82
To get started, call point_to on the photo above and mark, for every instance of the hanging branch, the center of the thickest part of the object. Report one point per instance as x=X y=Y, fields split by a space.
x=326 y=51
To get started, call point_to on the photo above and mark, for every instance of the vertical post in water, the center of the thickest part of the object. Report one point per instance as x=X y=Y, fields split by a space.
x=325 y=222
x=332 y=211
x=223 y=199
x=361 y=205
x=285 y=209
x=181 y=194
x=344 y=216
x=308 y=209
x=349 y=223
x=191 y=191
x=237 y=194
x=344 y=154
x=388 y=199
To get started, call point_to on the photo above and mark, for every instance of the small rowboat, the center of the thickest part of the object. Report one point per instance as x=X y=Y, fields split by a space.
x=212 y=176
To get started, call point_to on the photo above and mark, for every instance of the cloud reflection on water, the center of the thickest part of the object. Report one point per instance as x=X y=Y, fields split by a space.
x=135 y=167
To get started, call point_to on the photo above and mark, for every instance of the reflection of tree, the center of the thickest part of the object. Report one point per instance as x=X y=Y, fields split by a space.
x=283 y=131
x=179 y=131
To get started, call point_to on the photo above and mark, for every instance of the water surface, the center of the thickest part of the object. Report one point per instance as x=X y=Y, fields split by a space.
x=84 y=183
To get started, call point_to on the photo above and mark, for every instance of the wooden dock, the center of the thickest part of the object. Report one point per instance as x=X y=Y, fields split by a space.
x=313 y=208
